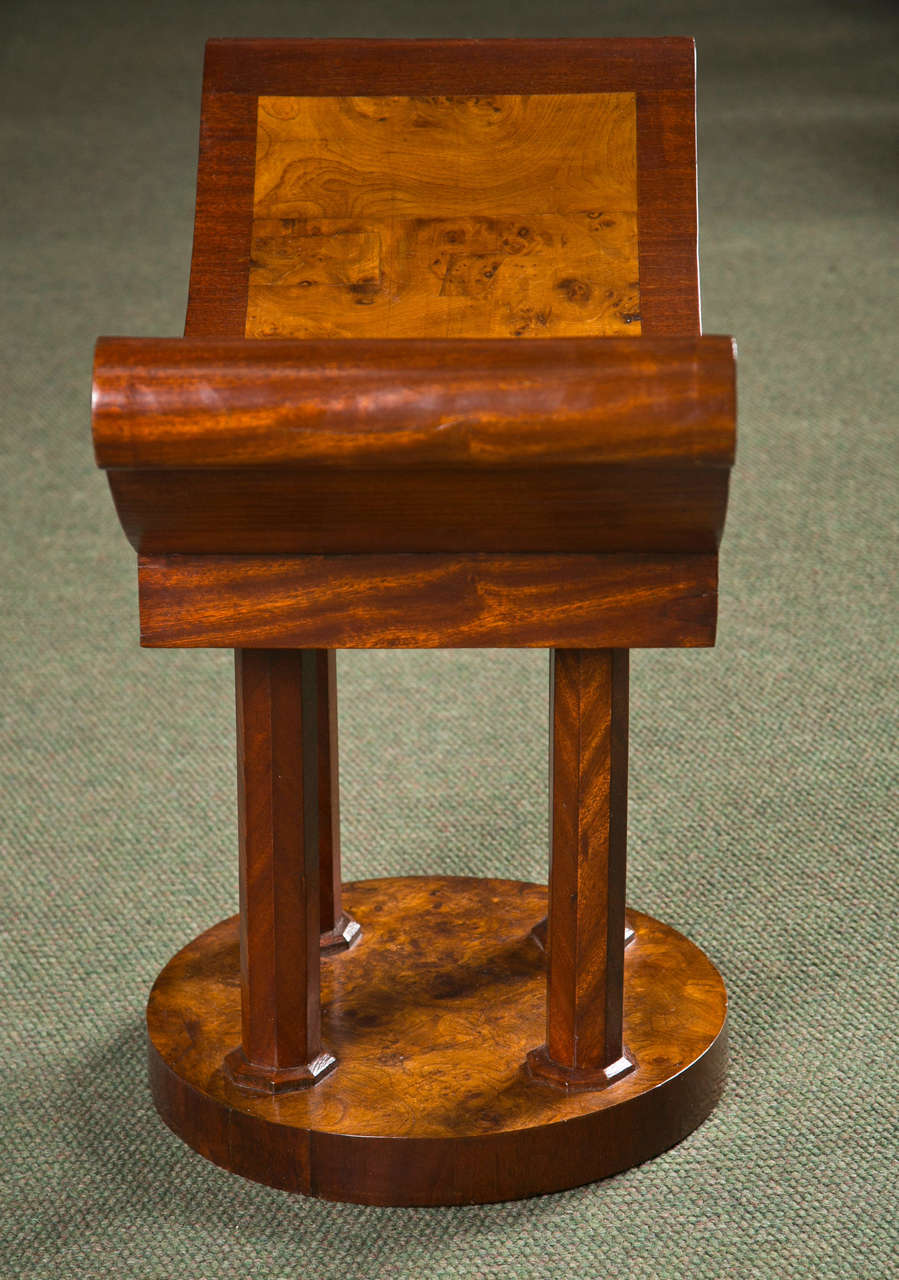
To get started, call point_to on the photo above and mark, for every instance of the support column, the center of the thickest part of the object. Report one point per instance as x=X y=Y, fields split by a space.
x=278 y=699
x=586 y=934
x=338 y=929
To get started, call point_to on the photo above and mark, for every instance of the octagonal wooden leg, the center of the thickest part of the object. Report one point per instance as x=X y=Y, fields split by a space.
x=586 y=933
x=338 y=929
x=278 y=699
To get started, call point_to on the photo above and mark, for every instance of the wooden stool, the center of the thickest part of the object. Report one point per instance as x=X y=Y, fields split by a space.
x=353 y=447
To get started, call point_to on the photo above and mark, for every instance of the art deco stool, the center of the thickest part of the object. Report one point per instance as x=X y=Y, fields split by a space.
x=442 y=385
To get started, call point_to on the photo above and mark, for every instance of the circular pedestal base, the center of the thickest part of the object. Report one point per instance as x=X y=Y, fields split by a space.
x=430 y=1017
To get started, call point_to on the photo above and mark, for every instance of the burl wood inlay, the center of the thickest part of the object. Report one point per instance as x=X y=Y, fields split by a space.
x=449 y=216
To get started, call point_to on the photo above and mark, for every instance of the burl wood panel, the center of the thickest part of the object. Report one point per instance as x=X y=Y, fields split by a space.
x=445 y=216
x=588 y=864
x=428 y=601
x=430 y=1017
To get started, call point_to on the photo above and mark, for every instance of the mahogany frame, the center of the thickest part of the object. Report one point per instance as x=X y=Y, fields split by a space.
x=591 y=540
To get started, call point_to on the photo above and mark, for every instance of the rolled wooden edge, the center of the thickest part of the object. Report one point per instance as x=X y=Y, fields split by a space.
x=498 y=403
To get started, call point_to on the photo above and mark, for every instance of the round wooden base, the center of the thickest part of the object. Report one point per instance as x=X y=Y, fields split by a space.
x=430 y=1017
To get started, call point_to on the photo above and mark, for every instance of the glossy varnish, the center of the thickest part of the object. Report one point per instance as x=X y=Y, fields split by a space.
x=430 y=1017
x=352 y=445
x=412 y=403
x=588 y=862
x=360 y=443
x=429 y=601
x=659 y=74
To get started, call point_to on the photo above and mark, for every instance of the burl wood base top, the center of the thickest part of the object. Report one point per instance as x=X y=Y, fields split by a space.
x=430 y=1017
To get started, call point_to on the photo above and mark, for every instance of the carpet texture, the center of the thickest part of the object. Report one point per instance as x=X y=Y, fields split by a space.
x=761 y=773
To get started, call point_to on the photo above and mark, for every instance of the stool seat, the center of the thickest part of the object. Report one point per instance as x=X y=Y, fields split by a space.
x=442 y=384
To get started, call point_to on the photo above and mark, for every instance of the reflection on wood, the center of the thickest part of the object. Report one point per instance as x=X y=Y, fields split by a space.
x=430 y=1017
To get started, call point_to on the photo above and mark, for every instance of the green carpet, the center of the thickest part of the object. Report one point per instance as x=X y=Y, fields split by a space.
x=760 y=799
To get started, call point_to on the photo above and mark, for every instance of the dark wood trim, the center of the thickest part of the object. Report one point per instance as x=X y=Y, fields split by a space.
x=666 y=213
x=282 y=511
x=370 y=67
x=220 y=264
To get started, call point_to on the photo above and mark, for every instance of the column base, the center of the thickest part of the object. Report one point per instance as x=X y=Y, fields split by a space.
x=543 y=1067
x=344 y=934
x=253 y=1078
x=431 y=1016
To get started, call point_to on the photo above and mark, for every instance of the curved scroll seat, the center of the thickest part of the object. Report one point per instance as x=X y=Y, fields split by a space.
x=424 y=459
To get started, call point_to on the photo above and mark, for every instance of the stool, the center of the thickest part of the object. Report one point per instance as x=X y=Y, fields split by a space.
x=442 y=385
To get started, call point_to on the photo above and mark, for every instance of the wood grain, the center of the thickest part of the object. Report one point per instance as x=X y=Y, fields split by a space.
x=411 y=403
x=220 y=262
x=430 y=1017
x=436 y=601
x=588 y=862
x=240 y=72
x=338 y=928
x=277 y=747
x=472 y=66
x=288 y=499
x=667 y=215
x=501 y=215
x=293 y=510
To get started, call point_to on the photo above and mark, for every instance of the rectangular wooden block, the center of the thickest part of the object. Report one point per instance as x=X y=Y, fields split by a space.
x=428 y=601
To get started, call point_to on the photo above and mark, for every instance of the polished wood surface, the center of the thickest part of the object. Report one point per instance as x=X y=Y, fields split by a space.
x=431 y=1016
x=411 y=404
x=487 y=216
x=409 y=463
x=270 y=447
x=338 y=928
x=588 y=864
x=286 y=510
x=278 y=779
x=658 y=73
x=470 y=66
x=356 y=445
x=429 y=601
